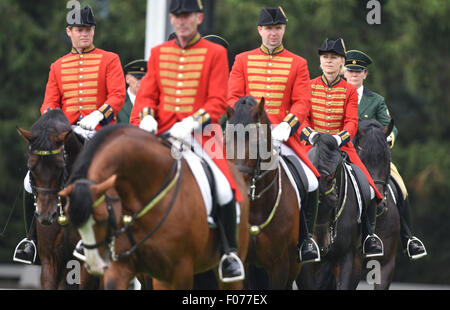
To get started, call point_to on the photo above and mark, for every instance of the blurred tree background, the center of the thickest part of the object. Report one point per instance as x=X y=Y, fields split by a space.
x=410 y=49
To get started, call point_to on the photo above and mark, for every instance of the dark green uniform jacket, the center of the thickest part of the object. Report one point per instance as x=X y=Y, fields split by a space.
x=372 y=106
x=124 y=115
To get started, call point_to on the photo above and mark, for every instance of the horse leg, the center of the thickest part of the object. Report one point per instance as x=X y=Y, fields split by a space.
x=279 y=274
x=386 y=275
x=344 y=272
x=48 y=275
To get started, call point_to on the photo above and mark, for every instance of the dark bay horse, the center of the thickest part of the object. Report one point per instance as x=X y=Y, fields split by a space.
x=338 y=232
x=53 y=148
x=370 y=143
x=159 y=226
x=274 y=207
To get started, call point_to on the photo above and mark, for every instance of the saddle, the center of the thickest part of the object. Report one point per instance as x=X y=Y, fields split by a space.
x=298 y=174
x=360 y=184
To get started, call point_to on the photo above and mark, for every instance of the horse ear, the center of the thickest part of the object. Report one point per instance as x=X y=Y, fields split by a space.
x=261 y=107
x=100 y=189
x=388 y=129
x=26 y=134
x=230 y=112
x=62 y=136
x=66 y=191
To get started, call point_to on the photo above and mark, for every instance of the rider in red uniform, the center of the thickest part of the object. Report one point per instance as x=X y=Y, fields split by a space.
x=334 y=110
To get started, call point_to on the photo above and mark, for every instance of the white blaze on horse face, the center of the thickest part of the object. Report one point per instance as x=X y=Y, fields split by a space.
x=95 y=263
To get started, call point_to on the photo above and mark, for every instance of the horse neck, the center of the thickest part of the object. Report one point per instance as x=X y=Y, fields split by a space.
x=72 y=147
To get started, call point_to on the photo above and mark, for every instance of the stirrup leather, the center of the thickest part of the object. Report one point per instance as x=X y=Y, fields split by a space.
x=364 y=246
x=241 y=266
x=311 y=260
x=77 y=254
x=16 y=259
x=414 y=257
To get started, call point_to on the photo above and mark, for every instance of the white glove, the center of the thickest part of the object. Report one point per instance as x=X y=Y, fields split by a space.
x=27 y=183
x=281 y=132
x=182 y=129
x=86 y=134
x=338 y=140
x=311 y=136
x=91 y=121
x=390 y=140
x=149 y=124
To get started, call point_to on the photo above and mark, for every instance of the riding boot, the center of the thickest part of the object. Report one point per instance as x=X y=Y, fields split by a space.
x=26 y=250
x=308 y=248
x=231 y=268
x=411 y=245
x=372 y=245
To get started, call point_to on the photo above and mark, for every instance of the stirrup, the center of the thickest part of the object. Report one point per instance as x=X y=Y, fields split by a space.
x=364 y=246
x=16 y=259
x=77 y=254
x=417 y=256
x=310 y=260
x=241 y=266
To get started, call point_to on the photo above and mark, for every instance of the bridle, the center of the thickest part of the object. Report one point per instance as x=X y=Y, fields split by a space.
x=62 y=176
x=172 y=180
x=258 y=174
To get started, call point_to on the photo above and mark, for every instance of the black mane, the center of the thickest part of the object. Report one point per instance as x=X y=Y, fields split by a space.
x=371 y=141
x=327 y=154
x=242 y=111
x=53 y=122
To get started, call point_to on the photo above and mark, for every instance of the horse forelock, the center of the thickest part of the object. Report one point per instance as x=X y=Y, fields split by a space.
x=372 y=144
x=84 y=159
x=327 y=153
x=242 y=110
x=49 y=124
x=80 y=204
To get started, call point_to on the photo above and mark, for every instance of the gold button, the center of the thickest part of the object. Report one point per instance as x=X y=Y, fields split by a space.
x=268 y=86
x=270 y=64
x=329 y=96
x=268 y=94
x=81 y=55
x=181 y=67
x=268 y=101
x=180 y=84
x=183 y=51
x=81 y=69
x=270 y=56
x=178 y=91
x=328 y=117
x=329 y=110
x=177 y=100
x=182 y=59
x=81 y=62
x=81 y=99
x=366 y=116
x=81 y=84
x=177 y=109
x=81 y=91
x=180 y=75
x=268 y=79
x=269 y=71
x=81 y=76
x=329 y=102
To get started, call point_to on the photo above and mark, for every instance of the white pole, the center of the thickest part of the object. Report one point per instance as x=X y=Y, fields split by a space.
x=156 y=24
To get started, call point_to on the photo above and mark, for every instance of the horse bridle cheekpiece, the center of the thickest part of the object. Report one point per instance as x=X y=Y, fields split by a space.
x=172 y=180
x=62 y=219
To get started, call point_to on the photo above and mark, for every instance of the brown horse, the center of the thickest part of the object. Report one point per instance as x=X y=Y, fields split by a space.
x=274 y=211
x=370 y=143
x=53 y=148
x=158 y=227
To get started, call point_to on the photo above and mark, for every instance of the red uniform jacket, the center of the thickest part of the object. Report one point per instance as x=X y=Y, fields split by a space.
x=181 y=82
x=282 y=78
x=79 y=83
x=334 y=110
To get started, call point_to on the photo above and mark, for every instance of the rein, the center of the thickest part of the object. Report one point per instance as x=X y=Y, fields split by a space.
x=129 y=220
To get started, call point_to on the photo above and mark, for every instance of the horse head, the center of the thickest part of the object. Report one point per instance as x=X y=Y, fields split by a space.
x=50 y=141
x=248 y=137
x=327 y=158
x=373 y=149
x=94 y=213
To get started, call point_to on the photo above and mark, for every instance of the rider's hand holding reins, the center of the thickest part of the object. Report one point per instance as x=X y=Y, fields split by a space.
x=281 y=132
x=184 y=128
x=91 y=121
x=149 y=124
x=338 y=140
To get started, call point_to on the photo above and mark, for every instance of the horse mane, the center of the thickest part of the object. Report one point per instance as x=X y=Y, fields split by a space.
x=242 y=109
x=53 y=122
x=81 y=166
x=372 y=140
x=327 y=153
x=80 y=197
